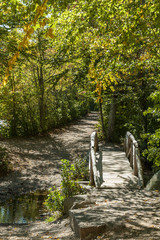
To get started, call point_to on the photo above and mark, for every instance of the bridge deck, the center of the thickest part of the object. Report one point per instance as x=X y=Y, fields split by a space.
x=117 y=172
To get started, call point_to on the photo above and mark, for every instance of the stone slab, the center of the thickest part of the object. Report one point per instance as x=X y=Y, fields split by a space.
x=129 y=210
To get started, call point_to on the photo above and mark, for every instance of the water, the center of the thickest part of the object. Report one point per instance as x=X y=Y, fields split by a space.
x=24 y=209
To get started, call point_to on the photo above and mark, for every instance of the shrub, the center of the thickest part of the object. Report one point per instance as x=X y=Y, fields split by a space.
x=69 y=187
x=81 y=169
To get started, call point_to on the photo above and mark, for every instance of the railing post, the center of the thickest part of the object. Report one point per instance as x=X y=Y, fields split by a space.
x=91 y=180
x=133 y=155
x=140 y=169
x=135 y=170
x=95 y=162
x=92 y=155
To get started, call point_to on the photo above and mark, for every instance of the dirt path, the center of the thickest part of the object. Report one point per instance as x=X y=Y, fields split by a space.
x=36 y=161
x=36 y=166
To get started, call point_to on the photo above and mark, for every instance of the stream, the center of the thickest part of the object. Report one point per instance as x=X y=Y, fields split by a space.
x=24 y=209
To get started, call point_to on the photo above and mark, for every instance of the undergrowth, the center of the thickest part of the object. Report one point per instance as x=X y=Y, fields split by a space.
x=69 y=187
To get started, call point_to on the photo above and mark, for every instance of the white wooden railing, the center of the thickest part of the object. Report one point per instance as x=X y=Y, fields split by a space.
x=95 y=162
x=132 y=153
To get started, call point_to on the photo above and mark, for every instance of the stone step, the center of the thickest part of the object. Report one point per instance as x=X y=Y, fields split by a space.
x=110 y=212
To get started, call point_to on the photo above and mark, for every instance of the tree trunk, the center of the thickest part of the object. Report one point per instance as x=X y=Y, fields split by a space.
x=14 y=115
x=111 y=121
x=42 y=113
x=101 y=115
x=41 y=98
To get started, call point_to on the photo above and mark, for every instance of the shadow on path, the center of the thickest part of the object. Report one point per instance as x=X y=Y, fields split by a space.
x=36 y=160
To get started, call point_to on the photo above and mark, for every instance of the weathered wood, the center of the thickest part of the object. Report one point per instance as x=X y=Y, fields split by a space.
x=135 y=169
x=140 y=169
x=95 y=163
x=94 y=141
x=92 y=159
x=92 y=183
x=133 y=154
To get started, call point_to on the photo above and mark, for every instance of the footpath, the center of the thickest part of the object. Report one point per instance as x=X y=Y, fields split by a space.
x=118 y=209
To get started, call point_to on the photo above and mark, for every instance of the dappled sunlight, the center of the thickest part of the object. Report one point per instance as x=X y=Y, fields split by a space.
x=36 y=160
x=122 y=211
x=117 y=172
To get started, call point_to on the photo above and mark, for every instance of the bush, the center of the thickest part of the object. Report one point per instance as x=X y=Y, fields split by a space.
x=81 y=169
x=69 y=187
x=4 y=129
x=153 y=149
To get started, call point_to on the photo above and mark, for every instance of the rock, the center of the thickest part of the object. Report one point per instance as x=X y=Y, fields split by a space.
x=70 y=201
x=154 y=183
x=85 y=227
x=75 y=202
x=82 y=204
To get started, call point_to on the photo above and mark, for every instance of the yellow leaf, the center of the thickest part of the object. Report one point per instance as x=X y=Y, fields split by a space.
x=38 y=9
x=42 y=24
x=17 y=54
x=27 y=27
x=35 y=20
x=10 y=68
x=30 y=31
x=20 y=45
x=14 y=58
x=50 y=33
x=112 y=88
x=5 y=81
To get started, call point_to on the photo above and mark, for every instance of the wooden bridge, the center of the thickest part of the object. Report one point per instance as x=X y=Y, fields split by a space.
x=116 y=201
x=113 y=167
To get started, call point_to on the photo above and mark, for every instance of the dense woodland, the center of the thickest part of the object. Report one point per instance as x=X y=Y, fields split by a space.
x=61 y=59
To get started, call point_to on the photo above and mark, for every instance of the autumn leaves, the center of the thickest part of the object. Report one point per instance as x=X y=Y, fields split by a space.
x=28 y=30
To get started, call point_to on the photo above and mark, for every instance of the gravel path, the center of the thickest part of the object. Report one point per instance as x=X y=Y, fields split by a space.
x=36 y=163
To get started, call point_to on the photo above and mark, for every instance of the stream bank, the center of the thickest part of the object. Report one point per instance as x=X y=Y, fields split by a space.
x=36 y=166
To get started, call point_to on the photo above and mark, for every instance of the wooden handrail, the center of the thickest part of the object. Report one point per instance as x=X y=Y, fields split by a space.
x=95 y=162
x=132 y=153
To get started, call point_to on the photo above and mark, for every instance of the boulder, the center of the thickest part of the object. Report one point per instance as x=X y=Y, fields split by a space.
x=75 y=202
x=154 y=183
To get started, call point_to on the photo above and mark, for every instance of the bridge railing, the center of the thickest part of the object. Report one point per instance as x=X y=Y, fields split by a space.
x=133 y=154
x=95 y=162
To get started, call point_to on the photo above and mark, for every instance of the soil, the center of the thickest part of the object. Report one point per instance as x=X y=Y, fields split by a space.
x=36 y=166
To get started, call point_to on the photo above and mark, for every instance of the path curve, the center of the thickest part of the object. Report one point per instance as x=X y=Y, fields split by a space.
x=36 y=166
x=36 y=160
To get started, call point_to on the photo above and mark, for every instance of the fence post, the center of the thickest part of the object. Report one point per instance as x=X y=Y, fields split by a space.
x=135 y=170
x=133 y=154
x=91 y=179
x=96 y=173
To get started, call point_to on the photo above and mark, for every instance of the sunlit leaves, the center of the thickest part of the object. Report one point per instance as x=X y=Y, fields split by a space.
x=29 y=30
x=50 y=33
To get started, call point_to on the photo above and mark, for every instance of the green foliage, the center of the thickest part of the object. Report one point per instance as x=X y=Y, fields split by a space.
x=55 y=201
x=69 y=187
x=153 y=149
x=4 y=129
x=81 y=169
x=69 y=184
x=152 y=152
x=85 y=50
